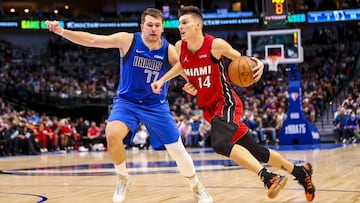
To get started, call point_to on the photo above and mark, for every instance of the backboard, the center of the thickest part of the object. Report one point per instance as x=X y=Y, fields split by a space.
x=283 y=43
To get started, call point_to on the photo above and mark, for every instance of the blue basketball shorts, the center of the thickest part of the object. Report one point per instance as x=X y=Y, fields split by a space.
x=157 y=119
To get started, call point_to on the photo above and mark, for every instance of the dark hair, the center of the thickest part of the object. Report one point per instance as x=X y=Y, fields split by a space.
x=192 y=10
x=156 y=13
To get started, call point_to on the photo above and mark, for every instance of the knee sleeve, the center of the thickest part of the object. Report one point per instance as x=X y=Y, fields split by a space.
x=261 y=153
x=221 y=134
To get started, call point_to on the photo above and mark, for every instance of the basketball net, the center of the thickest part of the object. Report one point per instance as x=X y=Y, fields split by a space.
x=273 y=62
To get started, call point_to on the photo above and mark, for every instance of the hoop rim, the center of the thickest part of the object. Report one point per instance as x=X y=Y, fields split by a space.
x=273 y=61
x=270 y=57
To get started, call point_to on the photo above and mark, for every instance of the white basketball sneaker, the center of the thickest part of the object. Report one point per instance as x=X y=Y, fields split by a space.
x=200 y=194
x=122 y=186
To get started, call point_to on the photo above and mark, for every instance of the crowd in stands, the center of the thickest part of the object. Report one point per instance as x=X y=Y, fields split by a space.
x=77 y=74
x=347 y=117
x=73 y=72
x=25 y=132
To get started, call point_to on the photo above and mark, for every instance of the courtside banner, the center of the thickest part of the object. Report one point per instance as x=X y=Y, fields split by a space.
x=40 y=24
x=333 y=16
x=216 y=22
x=35 y=24
x=99 y=25
x=9 y=24
x=230 y=21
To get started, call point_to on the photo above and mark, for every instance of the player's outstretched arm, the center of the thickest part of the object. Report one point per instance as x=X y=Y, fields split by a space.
x=88 y=39
x=173 y=72
x=176 y=70
x=174 y=57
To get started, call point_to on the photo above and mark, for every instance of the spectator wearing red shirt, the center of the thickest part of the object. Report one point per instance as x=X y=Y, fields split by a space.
x=46 y=136
x=66 y=134
x=94 y=135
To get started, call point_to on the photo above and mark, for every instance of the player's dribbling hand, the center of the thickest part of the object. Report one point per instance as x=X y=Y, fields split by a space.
x=54 y=27
x=190 y=89
x=258 y=69
x=156 y=86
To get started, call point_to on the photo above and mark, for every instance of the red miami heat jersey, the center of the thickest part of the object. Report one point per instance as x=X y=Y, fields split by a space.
x=215 y=95
x=206 y=73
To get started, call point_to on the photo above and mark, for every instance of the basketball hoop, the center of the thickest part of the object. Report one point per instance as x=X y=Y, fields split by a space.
x=273 y=62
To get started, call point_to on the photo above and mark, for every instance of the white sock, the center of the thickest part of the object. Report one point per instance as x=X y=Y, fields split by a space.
x=121 y=169
x=192 y=181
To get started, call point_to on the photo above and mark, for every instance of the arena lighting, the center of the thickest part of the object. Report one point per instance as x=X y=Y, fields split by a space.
x=26 y=10
x=12 y=10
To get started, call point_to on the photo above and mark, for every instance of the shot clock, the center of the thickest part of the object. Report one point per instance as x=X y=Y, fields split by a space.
x=276 y=11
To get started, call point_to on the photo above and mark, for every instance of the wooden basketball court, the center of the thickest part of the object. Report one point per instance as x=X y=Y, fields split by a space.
x=90 y=177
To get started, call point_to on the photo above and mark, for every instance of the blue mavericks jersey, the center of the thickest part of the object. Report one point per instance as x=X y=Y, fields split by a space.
x=139 y=68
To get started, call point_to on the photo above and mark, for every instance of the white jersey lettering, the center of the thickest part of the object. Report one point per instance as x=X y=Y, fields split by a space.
x=206 y=70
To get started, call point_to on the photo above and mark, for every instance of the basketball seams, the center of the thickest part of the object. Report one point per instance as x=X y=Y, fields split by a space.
x=241 y=66
x=240 y=71
x=248 y=72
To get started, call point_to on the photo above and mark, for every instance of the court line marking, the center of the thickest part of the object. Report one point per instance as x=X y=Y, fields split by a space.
x=42 y=198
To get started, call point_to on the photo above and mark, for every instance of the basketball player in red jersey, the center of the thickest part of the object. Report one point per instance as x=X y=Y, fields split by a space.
x=201 y=58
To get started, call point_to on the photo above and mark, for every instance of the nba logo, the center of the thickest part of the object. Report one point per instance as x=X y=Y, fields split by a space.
x=294 y=96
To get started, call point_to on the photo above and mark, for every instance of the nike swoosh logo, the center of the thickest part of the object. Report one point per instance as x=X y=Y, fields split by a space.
x=139 y=51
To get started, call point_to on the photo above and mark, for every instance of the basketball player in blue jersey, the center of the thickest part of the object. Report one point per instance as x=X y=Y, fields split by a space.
x=144 y=57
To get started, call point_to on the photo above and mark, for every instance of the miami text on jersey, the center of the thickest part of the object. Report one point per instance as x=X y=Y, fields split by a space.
x=206 y=70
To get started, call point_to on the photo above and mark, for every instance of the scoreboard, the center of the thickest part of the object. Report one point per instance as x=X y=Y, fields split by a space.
x=276 y=11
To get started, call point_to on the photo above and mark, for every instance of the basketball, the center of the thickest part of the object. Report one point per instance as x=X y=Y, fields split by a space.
x=240 y=71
